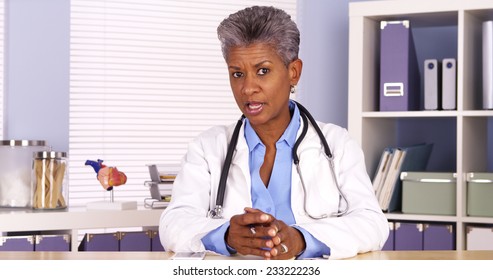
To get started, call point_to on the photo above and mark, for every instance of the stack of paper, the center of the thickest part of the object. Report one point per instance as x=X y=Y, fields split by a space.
x=394 y=160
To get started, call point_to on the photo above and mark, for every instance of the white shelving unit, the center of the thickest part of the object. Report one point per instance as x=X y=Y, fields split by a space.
x=73 y=220
x=467 y=125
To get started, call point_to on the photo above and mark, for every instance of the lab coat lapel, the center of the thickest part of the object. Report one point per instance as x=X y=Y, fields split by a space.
x=239 y=182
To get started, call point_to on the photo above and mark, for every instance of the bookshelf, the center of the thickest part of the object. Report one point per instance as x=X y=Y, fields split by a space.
x=441 y=29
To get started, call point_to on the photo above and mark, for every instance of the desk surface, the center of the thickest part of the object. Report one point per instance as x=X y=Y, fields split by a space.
x=379 y=255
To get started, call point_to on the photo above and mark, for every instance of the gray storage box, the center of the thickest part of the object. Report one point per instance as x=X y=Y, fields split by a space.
x=480 y=194
x=431 y=193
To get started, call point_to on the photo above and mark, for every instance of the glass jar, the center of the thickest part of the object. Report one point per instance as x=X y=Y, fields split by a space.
x=49 y=184
x=16 y=158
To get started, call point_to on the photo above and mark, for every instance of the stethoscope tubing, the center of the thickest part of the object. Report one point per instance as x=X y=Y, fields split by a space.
x=216 y=213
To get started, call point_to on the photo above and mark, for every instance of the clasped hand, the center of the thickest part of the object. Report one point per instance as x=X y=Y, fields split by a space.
x=258 y=233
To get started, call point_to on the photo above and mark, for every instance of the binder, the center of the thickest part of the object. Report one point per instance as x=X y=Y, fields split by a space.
x=399 y=72
x=408 y=236
x=449 y=84
x=390 y=180
x=382 y=170
x=432 y=84
x=411 y=158
x=487 y=51
x=438 y=237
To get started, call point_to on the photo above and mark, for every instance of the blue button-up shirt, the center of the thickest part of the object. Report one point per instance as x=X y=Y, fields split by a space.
x=276 y=199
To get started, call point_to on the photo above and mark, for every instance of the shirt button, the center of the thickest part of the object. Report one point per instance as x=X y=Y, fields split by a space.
x=268 y=209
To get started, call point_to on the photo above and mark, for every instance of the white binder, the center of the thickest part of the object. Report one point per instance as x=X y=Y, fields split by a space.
x=432 y=84
x=449 y=84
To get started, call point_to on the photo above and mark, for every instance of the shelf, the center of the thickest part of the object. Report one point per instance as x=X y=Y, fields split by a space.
x=461 y=137
x=411 y=114
x=414 y=217
x=75 y=219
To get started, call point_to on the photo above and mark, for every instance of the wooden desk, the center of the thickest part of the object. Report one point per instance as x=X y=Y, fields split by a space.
x=425 y=255
x=379 y=255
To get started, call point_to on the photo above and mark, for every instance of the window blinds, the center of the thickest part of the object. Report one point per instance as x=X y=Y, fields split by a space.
x=146 y=77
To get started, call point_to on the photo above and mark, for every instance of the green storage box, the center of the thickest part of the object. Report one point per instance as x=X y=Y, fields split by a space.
x=480 y=194
x=431 y=193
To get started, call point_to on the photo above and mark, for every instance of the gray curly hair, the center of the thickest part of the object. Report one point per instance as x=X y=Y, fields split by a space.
x=259 y=24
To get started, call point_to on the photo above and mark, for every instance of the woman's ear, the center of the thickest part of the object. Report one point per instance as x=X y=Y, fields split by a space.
x=295 y=68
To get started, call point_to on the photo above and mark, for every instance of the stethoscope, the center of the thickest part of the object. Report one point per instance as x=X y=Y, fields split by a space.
x=216 y=213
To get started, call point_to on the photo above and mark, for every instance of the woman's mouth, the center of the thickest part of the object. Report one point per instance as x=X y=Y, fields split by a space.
x=254 y=108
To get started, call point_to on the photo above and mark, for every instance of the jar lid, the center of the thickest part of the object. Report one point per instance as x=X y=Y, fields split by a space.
x=49 y=154
x=22 y=143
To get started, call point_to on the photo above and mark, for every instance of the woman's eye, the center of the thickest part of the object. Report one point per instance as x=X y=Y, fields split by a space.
x=237 y=74
x=262 y=71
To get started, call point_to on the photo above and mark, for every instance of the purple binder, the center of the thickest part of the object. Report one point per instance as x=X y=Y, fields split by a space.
x=438 y=237
x=399 y=72
x=155 y=242
x=17 y=243
x=100 y=242
x=389 y=244
x=135 y=241
x=408 y=236
x=58 y=243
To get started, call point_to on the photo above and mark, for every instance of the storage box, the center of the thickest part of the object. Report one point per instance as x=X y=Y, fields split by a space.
x=439 y=237
x=100 y=242
x=135 y=241
x=479 y=237
x=17 y=243
x=52 y=243
x=155 y=242
x=480 y=194
x=389 y=244
x=408 y=236
x=432 y=193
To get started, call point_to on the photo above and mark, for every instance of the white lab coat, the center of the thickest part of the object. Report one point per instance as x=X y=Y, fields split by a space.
x=363 y=228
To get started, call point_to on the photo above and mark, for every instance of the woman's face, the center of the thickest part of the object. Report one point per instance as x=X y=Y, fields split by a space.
x=261 y=84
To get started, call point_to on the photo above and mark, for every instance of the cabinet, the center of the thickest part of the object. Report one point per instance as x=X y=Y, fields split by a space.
x=74 y=220
x=448 y=28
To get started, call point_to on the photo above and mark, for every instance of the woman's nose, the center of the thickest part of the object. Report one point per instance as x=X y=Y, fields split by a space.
x=250 y=85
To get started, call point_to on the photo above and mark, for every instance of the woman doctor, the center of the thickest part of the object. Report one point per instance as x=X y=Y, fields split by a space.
x=269 y=209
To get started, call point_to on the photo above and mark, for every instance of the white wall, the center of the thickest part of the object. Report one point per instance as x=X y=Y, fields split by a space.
x=324 y=27
x=37 y=71
x=37 y=85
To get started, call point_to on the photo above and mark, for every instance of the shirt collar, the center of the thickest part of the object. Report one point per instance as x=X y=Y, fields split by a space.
x=289 y=135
